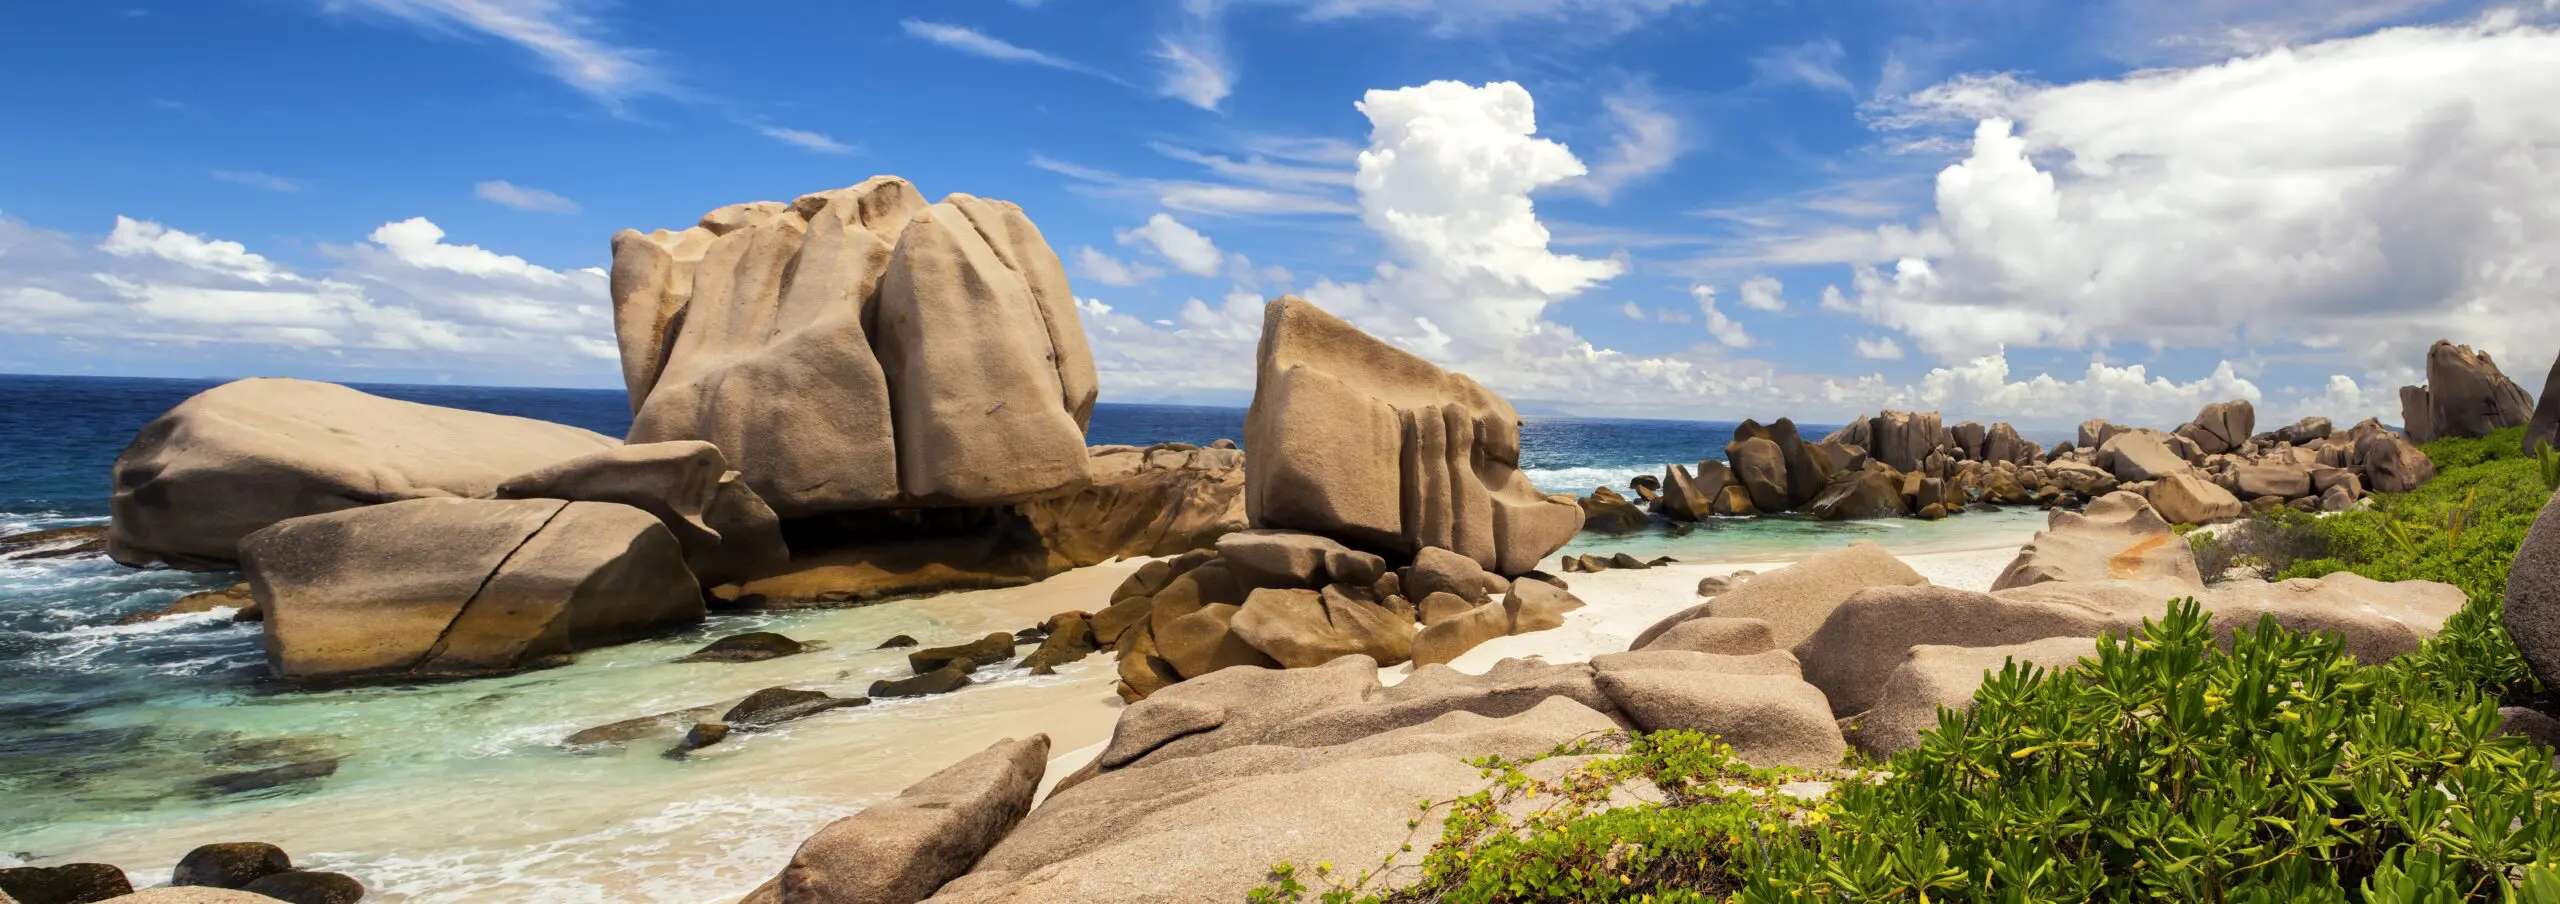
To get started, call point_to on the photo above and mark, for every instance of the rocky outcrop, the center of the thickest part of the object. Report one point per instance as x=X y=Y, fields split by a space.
x=244 y=455
x=727 y=533
x=2544 y=430
x=902 y=850
x=860 y=349
x=450 y=587
x=2391 y=463
x=2118 y=537
x=2465 y=395
x=2299 y=433
x=1366 y=443
x=1933 y=678
x=2222 y=426
x=1757 y=703
x=1760 y=467
x=1859 y=494
x=1606 y=512
x=1161 y=500
x=2139 y=455
x=1902 y=438
x=2185 y=498
x=1796 y=599
x=2533 y=595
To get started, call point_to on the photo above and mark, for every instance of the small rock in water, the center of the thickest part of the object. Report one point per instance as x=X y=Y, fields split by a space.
x=1070 y=640
x=1660 y=561
x=896 y=643
x=235 y=597
x=265 y=779
x=993 y=648
x=629 y=730
x=776 y=705
x=1623 y=560
x=230 y=865
x=701 y=735
x=949 y=678
x=70 y=883
x=62 y=542
x=301 y=887
x=1030 y=635
x=755 y=646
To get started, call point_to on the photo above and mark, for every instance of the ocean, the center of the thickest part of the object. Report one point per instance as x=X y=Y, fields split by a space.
x=133 y=743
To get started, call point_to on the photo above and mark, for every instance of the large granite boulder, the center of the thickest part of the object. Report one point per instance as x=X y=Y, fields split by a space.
x=1162 y=500
x=2391 y=463
x=1760 y=467
x=1903 y=438
x=1606 y=512
x=2545 y=427
x=905 y=848
x=246 y=454
x=1795 y=600
x=1933 y=677
x=2185 y=498
x=2004 y=444
x=451 y=587
x=727 y=533
x=1683 y=499
x=1865 y=637
x=2139 y=455
x=1757 y=704
x=2095 y=432
x=860 y=349
x=2289 y=481
x=2465 y=395
x=2118 y=537
x=1859 y=495
x=1307 y=628
x=1364 y=442
x=2222 y=426
x=2533 y=595
x=2301 y=432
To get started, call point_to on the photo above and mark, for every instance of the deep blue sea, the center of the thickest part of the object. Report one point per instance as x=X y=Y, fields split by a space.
x=461 y=791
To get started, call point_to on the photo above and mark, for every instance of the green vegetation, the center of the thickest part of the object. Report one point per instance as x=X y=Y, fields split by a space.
x=2162 y=769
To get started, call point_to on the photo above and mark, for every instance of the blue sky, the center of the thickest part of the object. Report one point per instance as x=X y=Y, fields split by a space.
x=1749 y=208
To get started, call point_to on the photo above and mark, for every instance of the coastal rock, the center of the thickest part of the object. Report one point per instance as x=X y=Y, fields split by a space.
x=2301 y=432
x=1761 y=469
x=70 y=883
x=753 y=646
x=2544 y=429
x=1682 y=498
x=2095 y=432
x=193 y=895
x=2004 y=444
x=1441 y=571
x=1865 y=638
x=237 y=597
x=2465 y=395
x=1708 y=634
x=448 y=587
x=1364 y=442
x=306 y=887
x=57 y=543
x=1902 y=438
x=1139 y=503
x=1859 y=495
x=2376 y=620
x=1070 y=640
x=2140 y=455
x=1535 y=606
x=1797 y=599
x=2185 y=498
x=1967 y=438
x=2280 y=480
x=905 y=848
x=776 y=705
x=247 y=454
x=1808 y=469
x=1234 y=708
x=1205 y=641
x=2392 y=464
x=1304 y=628
x=230 y=864
x=2222 y=426
x=1606 y=512
x=1768 y=715
x=943 y=680
x=1933 y=677
x=860 y=349
x=1439 y=607
x=996 y=647
x=1272 y=558
x=1453 y=636
x=2117 y=537
x=728 y=534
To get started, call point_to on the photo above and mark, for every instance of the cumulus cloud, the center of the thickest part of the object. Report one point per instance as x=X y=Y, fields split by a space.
x=2407 y=193
x=509 y=194
x=1181 y=245
x=1880 y=348
x=402 y=290
x=1111 y=271
x=1761 y=293
x=1982 y=387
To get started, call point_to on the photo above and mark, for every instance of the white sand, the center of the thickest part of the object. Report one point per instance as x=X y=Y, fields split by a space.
x=1624 y=603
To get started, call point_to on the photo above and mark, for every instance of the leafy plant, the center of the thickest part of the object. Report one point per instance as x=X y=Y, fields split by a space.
x=2548 y=457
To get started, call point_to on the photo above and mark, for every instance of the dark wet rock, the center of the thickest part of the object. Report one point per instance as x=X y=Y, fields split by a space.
x=70 y=883
x=629 y=730
x=942 y=681
x=60 y=542
x=235 y=597
x=1623 y=560
x=232 y=864
x=303 y=887
x=701 y=735
x=776 y=705
x=988 y=650
x=899 y=642
x=754 y=646
x=1070 y=639
x=1029 y=635
x=267 y=779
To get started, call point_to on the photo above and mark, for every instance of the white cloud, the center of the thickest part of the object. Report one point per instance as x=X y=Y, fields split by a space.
x=805 y=139
x=977 y=43
x=568 y=40
x=1112 y=271
x=1194 y=196
x=1814 y=63
x=1632 y=310
x=1880 y=348
x=1981 y=387
x=385 y=299
x=508 y=194
x=1723 y=328
x=1761 y=293
x=1181 y=245
x=1196 y=70
x=256 y=179
x=2407 y=193
x=1604 y=16
x=1648 y=141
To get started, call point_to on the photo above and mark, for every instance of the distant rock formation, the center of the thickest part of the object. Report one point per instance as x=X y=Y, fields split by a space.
x=860 y=349
x=246 y=454
x=2465 y=395
x=1363 y=442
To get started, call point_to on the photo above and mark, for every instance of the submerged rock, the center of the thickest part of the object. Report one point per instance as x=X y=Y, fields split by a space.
x=944 y=680
x=60 y=542
x=629 y=730
x=230 y=865
x=896 y=642
x=989 y=650
x=237 y=597
x=754 y=646
x=776 y=705
x=266 y=779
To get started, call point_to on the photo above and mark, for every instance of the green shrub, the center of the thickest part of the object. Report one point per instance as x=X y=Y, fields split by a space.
x=2162 y=769
x=2266 y=543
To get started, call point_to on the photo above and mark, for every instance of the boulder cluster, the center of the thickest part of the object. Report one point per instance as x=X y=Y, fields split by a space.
x=241 y=872
x=1241 y=769
x=2465 y=395
x=1905 y=464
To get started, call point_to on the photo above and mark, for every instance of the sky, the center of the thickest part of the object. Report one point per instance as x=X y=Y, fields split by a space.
x=2031 y=210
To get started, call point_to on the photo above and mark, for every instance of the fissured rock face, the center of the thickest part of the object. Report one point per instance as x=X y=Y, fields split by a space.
x=860 y=349
x=1360 y=441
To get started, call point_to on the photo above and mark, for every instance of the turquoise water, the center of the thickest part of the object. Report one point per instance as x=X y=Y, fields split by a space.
x=110 y=735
